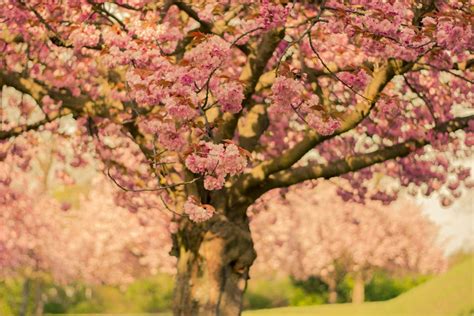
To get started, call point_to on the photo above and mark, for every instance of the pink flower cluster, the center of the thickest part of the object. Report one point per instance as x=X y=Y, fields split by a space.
x=355 y=81
x=289 y=94
x=216 y=161
x=454 y=36
x=272 y=15
x=209 y=54
x=87 y=35
x=196 y=211
x=324 y=126
x=170 y=137
x=230 y=96
x=286 y=91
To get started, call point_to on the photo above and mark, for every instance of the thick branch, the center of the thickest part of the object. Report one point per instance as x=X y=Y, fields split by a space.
x=380 y=79
x=17 y=131
x=205 y=27
x=37 y=91
x=252 y=126
x=354 y=163
x=251 y=74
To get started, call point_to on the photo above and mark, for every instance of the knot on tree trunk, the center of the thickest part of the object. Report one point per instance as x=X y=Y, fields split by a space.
x=237 y=250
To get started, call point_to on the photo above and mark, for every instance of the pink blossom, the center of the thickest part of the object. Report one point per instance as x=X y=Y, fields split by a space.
x=209 y=54
x=286 y=92
x=323 y=126
x=273 y=15
x=355 y=81
x=87 y=35
x=215 y=162
x=170 y=137
x=196 y=211
x=230 y=96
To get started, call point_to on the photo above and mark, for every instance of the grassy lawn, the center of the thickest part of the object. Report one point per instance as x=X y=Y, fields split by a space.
x=451 y=294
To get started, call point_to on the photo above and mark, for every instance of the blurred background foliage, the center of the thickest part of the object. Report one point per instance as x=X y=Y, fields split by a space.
x=154 y=294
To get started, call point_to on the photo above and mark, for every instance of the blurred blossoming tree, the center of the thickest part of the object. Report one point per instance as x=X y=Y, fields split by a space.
x=312 y=232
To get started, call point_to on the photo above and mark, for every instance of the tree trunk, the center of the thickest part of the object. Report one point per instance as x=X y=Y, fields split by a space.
x=39 y=304
x=332 y=287
x=213 y=265
x=25 y=298
x=358 y=294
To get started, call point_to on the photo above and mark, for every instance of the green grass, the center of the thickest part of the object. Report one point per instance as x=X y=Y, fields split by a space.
x=451 y=294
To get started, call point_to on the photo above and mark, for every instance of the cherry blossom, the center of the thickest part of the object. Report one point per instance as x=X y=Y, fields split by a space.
x=227 y=101
x=197 y=212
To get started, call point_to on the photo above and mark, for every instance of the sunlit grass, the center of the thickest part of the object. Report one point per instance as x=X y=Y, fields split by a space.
x=451 y=294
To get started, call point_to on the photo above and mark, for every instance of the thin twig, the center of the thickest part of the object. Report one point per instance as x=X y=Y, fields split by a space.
x=422 y=97
x=149 y=189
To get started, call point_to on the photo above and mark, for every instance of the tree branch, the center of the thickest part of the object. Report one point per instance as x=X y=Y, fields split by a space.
x=17 y=131
x=251 y=74
x=205 y=27
x=37 y=90
x=354 y=163
x=380 y=79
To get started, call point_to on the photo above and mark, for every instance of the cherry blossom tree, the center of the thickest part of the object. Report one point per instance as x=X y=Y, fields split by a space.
x=96 y=242
x=207 y=105
x=101 y=243
x=312 y=232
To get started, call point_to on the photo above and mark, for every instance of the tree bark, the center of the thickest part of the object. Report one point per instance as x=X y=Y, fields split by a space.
x=213 y=265
x=25 y=298
x=358 y=292
x=39 y=304
x=332 y=288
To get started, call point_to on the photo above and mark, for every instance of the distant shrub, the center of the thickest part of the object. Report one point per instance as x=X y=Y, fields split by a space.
x=382 y=287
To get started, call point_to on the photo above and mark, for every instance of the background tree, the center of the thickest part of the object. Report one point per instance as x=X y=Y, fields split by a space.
x=208 y=105
x=313 y=232
x=44 y=240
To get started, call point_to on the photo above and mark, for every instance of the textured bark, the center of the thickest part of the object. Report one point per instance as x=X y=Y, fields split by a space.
x=213 y=265
x=358 y=293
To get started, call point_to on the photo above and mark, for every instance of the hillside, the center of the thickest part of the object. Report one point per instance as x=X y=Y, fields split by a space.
x=450 y=294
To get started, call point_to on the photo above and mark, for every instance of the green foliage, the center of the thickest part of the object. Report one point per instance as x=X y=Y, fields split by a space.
x=312 y=291
x=254 y=300
x=311 y=285
x=303 y=298
x=150 y=295
x=383 y=287
x=265 y=293
x=63 y=299
x=10 y=296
